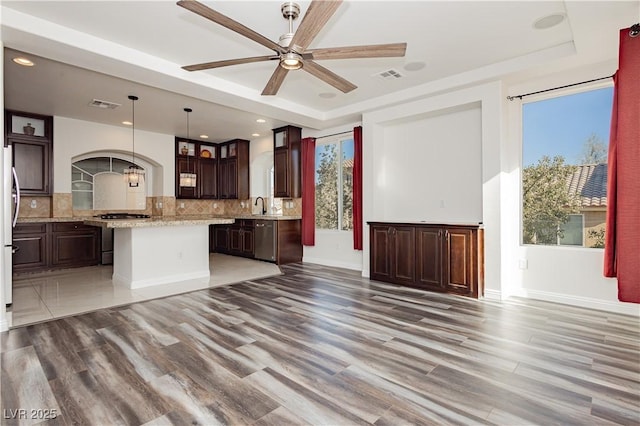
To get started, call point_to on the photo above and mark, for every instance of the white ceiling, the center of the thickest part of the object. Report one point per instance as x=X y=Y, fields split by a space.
x=110 y=49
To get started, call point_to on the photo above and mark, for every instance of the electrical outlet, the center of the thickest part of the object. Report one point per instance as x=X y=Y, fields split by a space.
x=523 y=264
x=182 y=205
x=34 y=204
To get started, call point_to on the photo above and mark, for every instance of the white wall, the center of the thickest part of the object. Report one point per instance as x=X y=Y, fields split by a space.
x=77 y=138
x=261 y=161
x=431 y=168
x=333 y=248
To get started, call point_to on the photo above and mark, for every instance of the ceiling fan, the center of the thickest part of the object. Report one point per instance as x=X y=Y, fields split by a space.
x=291 y=50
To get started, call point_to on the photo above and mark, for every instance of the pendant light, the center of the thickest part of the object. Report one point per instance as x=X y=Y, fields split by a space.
x=133 y=175
x=188 y=179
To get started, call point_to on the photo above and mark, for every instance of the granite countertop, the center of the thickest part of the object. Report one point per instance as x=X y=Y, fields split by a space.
x=159 y=221
x=155 y=221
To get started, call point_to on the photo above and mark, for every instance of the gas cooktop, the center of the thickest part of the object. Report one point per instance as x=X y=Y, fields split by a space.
x=124 y=216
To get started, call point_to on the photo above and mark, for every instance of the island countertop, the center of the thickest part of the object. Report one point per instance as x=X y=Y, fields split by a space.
x=159 y=221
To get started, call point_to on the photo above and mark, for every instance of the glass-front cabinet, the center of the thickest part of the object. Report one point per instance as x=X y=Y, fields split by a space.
x=31 y=139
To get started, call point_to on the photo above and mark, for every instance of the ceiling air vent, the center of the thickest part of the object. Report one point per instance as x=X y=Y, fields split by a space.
x=103 y=104
x=389 y=74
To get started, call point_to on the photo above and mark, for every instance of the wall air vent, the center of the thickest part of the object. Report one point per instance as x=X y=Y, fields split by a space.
x=389 y=75
x=103 y=104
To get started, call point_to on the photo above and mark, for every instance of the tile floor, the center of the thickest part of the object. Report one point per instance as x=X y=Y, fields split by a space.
x=44 y=296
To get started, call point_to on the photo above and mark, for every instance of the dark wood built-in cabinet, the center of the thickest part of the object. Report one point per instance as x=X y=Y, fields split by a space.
x=222 y=170
x=55 y=245
x=31 y=137
x=287 y=162
x=439 y=257
x=234 y=170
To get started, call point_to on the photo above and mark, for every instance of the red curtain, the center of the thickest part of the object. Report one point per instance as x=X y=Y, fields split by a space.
x=308 y=191
x=622 y=245
x=357 y=188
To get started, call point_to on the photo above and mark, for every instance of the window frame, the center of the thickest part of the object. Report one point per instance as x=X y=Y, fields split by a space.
x=336 y=140
x=557 y=93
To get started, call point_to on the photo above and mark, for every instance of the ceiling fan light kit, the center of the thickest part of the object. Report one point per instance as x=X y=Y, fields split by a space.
x=292 y=49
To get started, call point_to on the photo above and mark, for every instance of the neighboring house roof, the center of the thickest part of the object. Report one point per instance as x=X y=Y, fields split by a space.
x=589 y=181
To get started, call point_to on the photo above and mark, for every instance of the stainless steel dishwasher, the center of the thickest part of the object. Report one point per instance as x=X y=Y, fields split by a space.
x=265 y=240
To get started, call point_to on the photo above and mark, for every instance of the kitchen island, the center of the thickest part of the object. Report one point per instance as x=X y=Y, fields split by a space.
x=160 y=250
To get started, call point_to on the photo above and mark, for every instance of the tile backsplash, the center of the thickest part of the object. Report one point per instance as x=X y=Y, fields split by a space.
x=60 y=205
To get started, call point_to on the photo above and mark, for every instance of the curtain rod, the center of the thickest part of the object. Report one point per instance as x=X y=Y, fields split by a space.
x=335 y=134
x=557 y=88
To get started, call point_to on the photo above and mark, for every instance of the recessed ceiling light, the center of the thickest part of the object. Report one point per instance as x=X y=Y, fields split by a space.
x=414 y=66
x=127 y=123
x=204 y=136
x=327 y=95
x=261 y=120
x=23 y=61
x=255 y=134
x=548 y=21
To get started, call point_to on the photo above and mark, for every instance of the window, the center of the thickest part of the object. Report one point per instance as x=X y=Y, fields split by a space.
x=564 y=175
x=334 y=184
x=97 y=183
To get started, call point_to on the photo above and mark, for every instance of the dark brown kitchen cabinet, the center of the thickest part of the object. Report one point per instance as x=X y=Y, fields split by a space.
x=446 y=258
x=201 y=159
x=44 y=246
x=32 y=252
x=236 y=239
x=31 y=137
x=220 y=238
x=394 y=259
x=233 y=173
x=74 y=244
x=287 y=162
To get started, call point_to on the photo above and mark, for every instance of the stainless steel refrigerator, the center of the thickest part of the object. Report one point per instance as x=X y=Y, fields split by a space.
x=10 y=204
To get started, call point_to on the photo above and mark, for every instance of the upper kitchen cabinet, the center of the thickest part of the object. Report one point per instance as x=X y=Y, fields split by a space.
x=233 y=175
x=196 y=169
x=287 y=162
x=31 y=139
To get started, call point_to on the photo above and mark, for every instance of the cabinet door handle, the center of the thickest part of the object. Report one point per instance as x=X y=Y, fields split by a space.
x=446 y=234
x=439 y=233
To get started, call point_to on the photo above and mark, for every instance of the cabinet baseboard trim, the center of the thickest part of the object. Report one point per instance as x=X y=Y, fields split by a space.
x=490 y=294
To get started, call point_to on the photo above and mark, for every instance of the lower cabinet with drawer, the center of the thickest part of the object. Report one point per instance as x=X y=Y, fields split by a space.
x=439 y=257
x=239 y=239
x=57 y=245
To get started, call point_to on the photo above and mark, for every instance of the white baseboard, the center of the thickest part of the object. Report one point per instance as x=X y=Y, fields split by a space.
x=333 y=263
x=583 y=302
x=490 y=294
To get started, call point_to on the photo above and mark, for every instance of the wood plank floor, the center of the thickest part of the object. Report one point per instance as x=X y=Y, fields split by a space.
x=323 y=346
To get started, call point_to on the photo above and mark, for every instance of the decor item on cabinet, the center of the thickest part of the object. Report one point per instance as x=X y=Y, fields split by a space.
x=188 y=178
x=205 y=153
x=133 y=174
x=29 y=129
x=291 y=50
x=184 y=150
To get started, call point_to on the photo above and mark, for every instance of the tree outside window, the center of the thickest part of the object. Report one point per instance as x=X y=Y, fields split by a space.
x=334 y=184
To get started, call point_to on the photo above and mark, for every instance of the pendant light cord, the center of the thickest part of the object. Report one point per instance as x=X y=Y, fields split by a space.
x=188 y=110
x=133 y=128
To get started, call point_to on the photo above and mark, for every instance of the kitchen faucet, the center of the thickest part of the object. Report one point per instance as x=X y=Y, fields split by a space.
x=264 y=211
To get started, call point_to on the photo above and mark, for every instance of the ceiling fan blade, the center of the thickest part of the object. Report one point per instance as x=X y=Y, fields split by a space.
x=225 y=21
x=218 y=64
x=367 y=51
x=328 y=76
x=318 y=14
x=275 y=81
